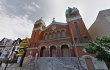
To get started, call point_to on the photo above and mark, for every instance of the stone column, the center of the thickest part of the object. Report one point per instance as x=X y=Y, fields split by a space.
x=72 y=51
x=58 y=52
x=39 y=51
x=69 y=51
x=48 y=52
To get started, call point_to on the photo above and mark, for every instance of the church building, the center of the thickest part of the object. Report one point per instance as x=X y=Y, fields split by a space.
x=61 y=40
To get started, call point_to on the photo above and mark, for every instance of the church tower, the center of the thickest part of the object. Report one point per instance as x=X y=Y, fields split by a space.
x=76 y=25
x=38 y=27
x=60 y=46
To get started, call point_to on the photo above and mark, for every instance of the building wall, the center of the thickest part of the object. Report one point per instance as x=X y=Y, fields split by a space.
x=75 y=39
x=71 y=33
x=100 y=28
x=6 y=51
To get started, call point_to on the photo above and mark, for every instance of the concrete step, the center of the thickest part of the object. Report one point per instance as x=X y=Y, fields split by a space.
x=52 y=63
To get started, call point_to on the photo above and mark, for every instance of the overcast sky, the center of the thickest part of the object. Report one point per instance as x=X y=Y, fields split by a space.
x=18 y=16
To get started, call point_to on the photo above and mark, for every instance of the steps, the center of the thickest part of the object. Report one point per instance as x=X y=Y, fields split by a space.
x=52 y=63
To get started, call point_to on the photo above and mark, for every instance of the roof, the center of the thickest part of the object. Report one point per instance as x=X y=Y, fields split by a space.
x=6 y=42
x=54 y=22
x=102 y=14
x=72 y=10
x=40 y=21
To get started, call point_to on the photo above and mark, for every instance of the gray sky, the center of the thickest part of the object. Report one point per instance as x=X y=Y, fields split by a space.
x=18 y=16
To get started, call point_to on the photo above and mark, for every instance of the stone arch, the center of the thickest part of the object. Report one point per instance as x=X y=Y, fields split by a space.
x=68 y=44
x=88 y=61
x=43 y=52
x=88 y=56
x=98 y=65
x=65 y=43
x=65 y=52
x=53 y=51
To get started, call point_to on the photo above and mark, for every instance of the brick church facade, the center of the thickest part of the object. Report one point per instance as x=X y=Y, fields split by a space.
x=63 y=40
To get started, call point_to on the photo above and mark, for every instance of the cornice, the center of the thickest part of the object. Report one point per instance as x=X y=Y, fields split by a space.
x=74 y=18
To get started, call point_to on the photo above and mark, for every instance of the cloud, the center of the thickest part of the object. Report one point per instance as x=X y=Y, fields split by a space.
x=14 y=26
x=36 y=5
x=30 y=8
x=17 y=17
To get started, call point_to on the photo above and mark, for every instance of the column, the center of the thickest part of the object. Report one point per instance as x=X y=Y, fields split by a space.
x=58 y=52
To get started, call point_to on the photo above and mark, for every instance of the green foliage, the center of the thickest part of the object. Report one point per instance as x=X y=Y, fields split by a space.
x=100 y=47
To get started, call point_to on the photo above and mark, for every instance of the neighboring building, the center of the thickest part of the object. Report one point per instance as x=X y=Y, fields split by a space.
x=2 y=46
x=22 y=51
x=64 y=43
x=6 y=45
x=101 y=27
x=15 y=48
x=23 y=45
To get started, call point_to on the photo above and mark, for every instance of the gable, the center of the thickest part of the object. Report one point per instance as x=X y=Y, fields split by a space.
x=57 y=24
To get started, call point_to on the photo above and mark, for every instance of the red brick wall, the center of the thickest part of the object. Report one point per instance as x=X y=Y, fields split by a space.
x=34 y=51
x=40 y=35
x=81 y=52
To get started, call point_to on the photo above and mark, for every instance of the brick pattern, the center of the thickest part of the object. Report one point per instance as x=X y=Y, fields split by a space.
x=70 y=30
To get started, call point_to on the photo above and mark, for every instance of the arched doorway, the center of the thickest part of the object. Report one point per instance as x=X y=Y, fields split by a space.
x=89 y=63
x=53 y=51
x=65 y=51
x=43 y=52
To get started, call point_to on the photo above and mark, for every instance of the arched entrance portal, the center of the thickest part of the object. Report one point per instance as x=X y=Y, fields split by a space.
x=89 y=64
x=53 y=51
x=43 y=52
x=65 y=51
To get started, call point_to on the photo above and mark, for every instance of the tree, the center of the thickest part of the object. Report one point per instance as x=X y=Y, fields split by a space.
x=100 y=47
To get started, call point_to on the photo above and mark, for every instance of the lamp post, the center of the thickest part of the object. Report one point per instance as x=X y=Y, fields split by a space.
x=7 y=63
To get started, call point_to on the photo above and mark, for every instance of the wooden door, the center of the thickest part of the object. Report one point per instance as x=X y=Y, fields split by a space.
x=89 y=64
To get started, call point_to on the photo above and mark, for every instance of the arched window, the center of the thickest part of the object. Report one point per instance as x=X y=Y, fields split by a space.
x=58 y=34
x=53 y=51
x=53 y=34
x=46 y=36
x=43 y=52
x=78 y=32
x=65 y=51
x=63 y=33
x=50 y=36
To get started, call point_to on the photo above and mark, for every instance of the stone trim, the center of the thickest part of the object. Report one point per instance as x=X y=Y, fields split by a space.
x=59 y=23
x=40 y=21
x=99 y=65
x=54 y=39
x=32 y=48
x=74 y=18
x=81 y=44
x=50 y=48
x=38 y=28
x=73 y=10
